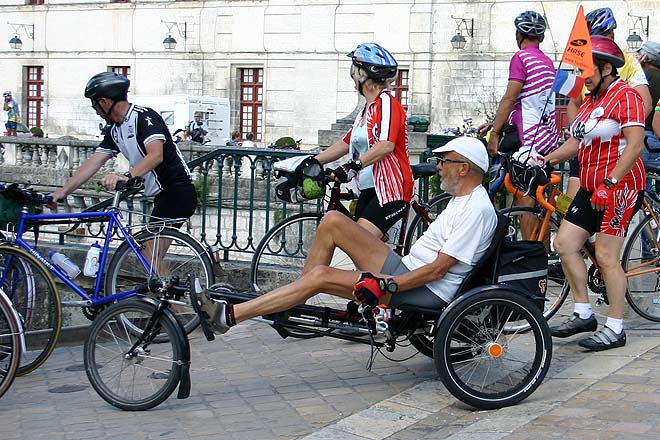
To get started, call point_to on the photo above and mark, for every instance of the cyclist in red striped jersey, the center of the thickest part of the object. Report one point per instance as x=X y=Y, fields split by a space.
x=377 y=144
x=610 y=129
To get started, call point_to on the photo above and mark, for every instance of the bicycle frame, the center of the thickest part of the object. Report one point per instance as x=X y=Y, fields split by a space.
x=113 y=218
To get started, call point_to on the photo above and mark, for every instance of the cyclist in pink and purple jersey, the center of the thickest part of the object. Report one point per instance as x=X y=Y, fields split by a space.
x=525 y=117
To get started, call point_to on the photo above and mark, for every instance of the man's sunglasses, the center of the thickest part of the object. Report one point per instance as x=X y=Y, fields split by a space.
x=442 y=160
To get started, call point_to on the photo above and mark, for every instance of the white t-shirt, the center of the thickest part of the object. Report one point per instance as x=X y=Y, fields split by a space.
x=463 y=230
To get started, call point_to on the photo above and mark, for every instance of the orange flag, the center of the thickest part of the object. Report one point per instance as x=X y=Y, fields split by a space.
x=578 y=48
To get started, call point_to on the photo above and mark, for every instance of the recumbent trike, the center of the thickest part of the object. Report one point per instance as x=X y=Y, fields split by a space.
x=491 y=345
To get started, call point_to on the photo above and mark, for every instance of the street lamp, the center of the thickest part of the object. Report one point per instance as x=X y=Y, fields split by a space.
x=466 y=25
x=169 y=43
x=16 y=43
x=634 y=41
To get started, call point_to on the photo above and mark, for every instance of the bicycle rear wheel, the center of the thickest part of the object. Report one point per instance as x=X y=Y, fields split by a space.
x=10 y=344
x=641 y=262
x=280 y=258
x=479 y=363
x=134 y=380
x=179 y=255
x=30 y=287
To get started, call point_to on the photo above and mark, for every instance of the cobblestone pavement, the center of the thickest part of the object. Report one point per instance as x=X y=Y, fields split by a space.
x=251 y=384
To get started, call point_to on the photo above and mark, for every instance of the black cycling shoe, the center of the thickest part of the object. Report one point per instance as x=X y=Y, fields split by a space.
x=574 y=325
x=604 y=339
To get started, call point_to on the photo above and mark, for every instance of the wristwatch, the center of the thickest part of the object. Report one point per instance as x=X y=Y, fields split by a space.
x=391 y=286
x=610 y=182
x=128 y=174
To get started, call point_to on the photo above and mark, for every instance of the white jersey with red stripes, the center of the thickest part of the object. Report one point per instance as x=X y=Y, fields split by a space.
x=599 y=127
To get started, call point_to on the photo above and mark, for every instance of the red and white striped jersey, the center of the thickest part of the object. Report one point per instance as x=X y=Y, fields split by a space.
x=598 y=126
x=387 y=121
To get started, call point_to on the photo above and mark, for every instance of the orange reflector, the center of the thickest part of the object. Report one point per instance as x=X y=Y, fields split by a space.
x=495 y=350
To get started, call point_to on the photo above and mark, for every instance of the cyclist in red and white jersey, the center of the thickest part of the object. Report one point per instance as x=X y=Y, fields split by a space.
x=377 y=144
x=610 y=129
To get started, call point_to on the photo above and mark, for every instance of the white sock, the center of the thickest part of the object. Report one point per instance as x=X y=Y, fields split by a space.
x=616 y=325
x=584 y=310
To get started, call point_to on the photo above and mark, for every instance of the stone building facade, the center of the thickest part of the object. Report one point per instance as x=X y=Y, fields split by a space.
x=298 y=46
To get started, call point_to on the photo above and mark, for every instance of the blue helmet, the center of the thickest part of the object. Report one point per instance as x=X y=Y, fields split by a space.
x=601 y=21
x=376 y=61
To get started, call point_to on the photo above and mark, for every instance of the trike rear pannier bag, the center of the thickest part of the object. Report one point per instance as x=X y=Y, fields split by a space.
x=524 y=266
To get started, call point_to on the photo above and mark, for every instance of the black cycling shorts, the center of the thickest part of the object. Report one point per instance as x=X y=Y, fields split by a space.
x=420 y=296
x=581 y=214
x=384 y=217
x=177 y=201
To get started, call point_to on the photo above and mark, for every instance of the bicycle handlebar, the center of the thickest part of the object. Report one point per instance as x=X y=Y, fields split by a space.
x=29 y=196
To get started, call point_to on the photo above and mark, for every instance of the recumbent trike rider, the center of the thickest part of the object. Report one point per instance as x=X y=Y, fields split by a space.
x=491 y=345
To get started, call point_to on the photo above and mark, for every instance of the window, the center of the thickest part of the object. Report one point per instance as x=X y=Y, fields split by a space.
x=251 y=101
x=400 y=88
x=122 y=70
x=35 y=2
x=34 y=84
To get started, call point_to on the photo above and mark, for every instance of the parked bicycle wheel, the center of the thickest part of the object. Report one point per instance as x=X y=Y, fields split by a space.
x=280 y=258
x=483 y=366
x=10 y=343
x=133 y=379
x=419 y=223
x=179 y=254
x=31 y=288
x=641 y=257
x=557 y=288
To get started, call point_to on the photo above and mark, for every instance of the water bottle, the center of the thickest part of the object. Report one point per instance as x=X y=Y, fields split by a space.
x=91 y=267
x=67 y=266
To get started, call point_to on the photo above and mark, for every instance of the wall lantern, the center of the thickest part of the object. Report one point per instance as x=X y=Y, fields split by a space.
x=169 y=43
x=466 y=25
x=634 y=40
x=16 y=43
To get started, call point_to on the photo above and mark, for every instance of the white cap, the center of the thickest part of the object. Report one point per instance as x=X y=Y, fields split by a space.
x=470 y=148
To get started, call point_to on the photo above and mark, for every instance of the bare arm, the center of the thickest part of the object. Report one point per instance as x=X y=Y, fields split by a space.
x=153 y=158
x=82 y=175
x=572 y=108
x=379 y=150
x=333 y=152
x=425 y=274
x=656 y=124
x=503 y=111
x=568 y=150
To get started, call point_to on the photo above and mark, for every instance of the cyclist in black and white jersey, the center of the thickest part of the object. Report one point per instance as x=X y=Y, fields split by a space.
x=140 y=134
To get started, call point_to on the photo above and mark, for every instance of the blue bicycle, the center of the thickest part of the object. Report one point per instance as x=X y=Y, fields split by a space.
x=148 y=252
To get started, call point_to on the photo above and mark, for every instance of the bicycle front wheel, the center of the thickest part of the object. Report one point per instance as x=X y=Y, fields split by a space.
x=640 y=261
x=138 y=379
x=280 y=258
x=31 y=289
x=175 y=252
x=10 y=344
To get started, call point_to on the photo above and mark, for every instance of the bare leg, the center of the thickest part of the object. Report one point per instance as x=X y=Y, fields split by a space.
x=568 y=244
x=320 y=279
x=373 y=229
x=608 y=249
x=338 y=231
x=527 y=222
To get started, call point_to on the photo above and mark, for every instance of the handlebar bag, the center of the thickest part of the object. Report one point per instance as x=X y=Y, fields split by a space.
x=11 y=204
x=524 y=266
